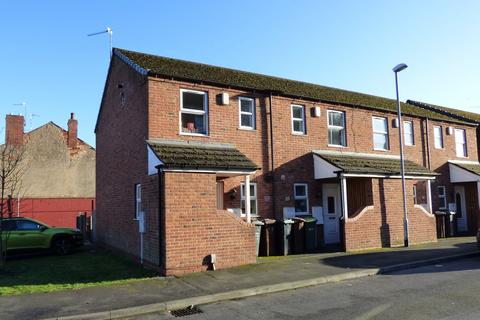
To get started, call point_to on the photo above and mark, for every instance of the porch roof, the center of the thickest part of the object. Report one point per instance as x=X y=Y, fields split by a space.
x=182 y=155
x=464 y=171
x=364 y=164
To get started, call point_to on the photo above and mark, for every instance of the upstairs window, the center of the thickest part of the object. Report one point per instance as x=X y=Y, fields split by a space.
x=253 y=198
x=408 y=133
x=336 y=128
x=442 y=197
x=247 y=113
x=461 y=143
x=300 y=194
x=194 y=112
x=298 y=119
x=438 y=137
x=380 y=134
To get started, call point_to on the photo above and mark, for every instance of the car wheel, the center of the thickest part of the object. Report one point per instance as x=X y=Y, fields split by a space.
x=62 y=246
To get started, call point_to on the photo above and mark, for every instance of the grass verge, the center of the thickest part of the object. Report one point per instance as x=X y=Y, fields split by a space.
x=85 y=268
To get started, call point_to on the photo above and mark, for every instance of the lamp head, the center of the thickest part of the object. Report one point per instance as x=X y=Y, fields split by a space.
x=400 y=67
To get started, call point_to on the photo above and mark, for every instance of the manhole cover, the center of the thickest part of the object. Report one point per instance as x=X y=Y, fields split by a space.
x=185 y=311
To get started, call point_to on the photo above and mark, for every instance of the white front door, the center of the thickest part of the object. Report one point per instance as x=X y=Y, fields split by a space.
x=331 y=213
x=461 y=213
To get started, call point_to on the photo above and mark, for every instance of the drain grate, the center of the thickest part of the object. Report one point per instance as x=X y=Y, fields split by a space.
x=185 y=311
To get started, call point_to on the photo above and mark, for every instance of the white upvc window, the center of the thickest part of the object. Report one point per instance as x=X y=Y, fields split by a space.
x=298 y=119
x=408 y=133
x=247 y=113
x=461 y=143
x=336 y=128
x=442 y=197
x=253 y=198
x=438 y=137
x=193 y=112
x=300 y=194
x=138 y=200
x=380 y=133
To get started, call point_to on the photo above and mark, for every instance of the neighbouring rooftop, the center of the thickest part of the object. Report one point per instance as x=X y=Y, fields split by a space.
x=457 y=113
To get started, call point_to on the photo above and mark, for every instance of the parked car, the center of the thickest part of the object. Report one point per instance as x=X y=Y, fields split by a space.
x=28 y=234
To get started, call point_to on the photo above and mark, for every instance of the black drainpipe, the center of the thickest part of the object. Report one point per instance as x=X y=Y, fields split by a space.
x=272 y=158
x=161 y=215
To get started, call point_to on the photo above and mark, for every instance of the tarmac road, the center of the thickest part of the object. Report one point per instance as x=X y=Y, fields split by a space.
x=444 y=291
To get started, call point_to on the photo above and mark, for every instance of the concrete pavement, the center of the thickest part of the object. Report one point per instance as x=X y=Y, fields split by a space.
x=271 y=274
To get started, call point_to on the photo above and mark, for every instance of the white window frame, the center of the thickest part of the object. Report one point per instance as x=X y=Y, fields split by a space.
x=405 y=133
x=440 y=131
x=464 y=153
x=385 y=133
x=442 y=199
x=203 y=112
x=336 y=127
x=253 y=196
x=297 y=197
x=138 y=200
x=302 y=119
x=252 y=114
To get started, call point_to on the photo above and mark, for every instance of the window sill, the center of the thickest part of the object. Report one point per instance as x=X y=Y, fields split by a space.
x=336 y=146
x=246 y=129
x=194 y=134
x=298 y=134
x=383 y=150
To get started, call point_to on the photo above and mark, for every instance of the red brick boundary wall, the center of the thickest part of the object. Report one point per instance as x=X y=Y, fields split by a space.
x=381 y=225
x=54 y=212
x=195 y=228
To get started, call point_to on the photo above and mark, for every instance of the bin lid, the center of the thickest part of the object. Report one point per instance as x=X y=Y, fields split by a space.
x=440 y=213
x=309 y=219
x=298 y=219
x=288 y=221
x=269 y=221
x=258 y=223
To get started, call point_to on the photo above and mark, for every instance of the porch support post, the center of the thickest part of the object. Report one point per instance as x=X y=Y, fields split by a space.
x=343 y=187
x=429 y=196
x=247 y=199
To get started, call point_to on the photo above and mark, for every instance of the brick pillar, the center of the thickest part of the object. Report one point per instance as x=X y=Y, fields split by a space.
x=72 y=132
x=14 y=130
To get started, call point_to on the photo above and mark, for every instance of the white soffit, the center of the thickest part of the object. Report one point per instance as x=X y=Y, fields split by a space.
x=153 y=161
x=458 y=174
x=323 y=169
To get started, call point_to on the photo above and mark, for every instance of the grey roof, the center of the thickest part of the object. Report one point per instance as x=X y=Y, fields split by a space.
x=201 y=156
x=202 y=73
x=456 y=113
x=363 y=164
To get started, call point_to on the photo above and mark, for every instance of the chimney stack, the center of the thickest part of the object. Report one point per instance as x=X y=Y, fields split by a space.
x=72 y=132
x=14 y=130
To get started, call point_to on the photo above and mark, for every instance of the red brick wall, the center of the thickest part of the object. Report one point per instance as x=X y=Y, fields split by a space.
x=292 y=155
x=194 y=228
x=382 y=226
x=121 y=159
x=59 y=212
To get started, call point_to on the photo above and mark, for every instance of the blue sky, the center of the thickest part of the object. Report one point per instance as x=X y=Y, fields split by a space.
x=47 y=60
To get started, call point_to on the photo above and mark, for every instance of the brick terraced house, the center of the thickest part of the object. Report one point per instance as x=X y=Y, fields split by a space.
x=58 y=172
x=197 y=151
x=460 y=184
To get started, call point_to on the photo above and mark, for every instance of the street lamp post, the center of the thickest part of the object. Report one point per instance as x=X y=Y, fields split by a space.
x=396 y=70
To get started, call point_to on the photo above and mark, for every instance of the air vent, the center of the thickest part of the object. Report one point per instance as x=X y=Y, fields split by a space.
x=185 y=311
